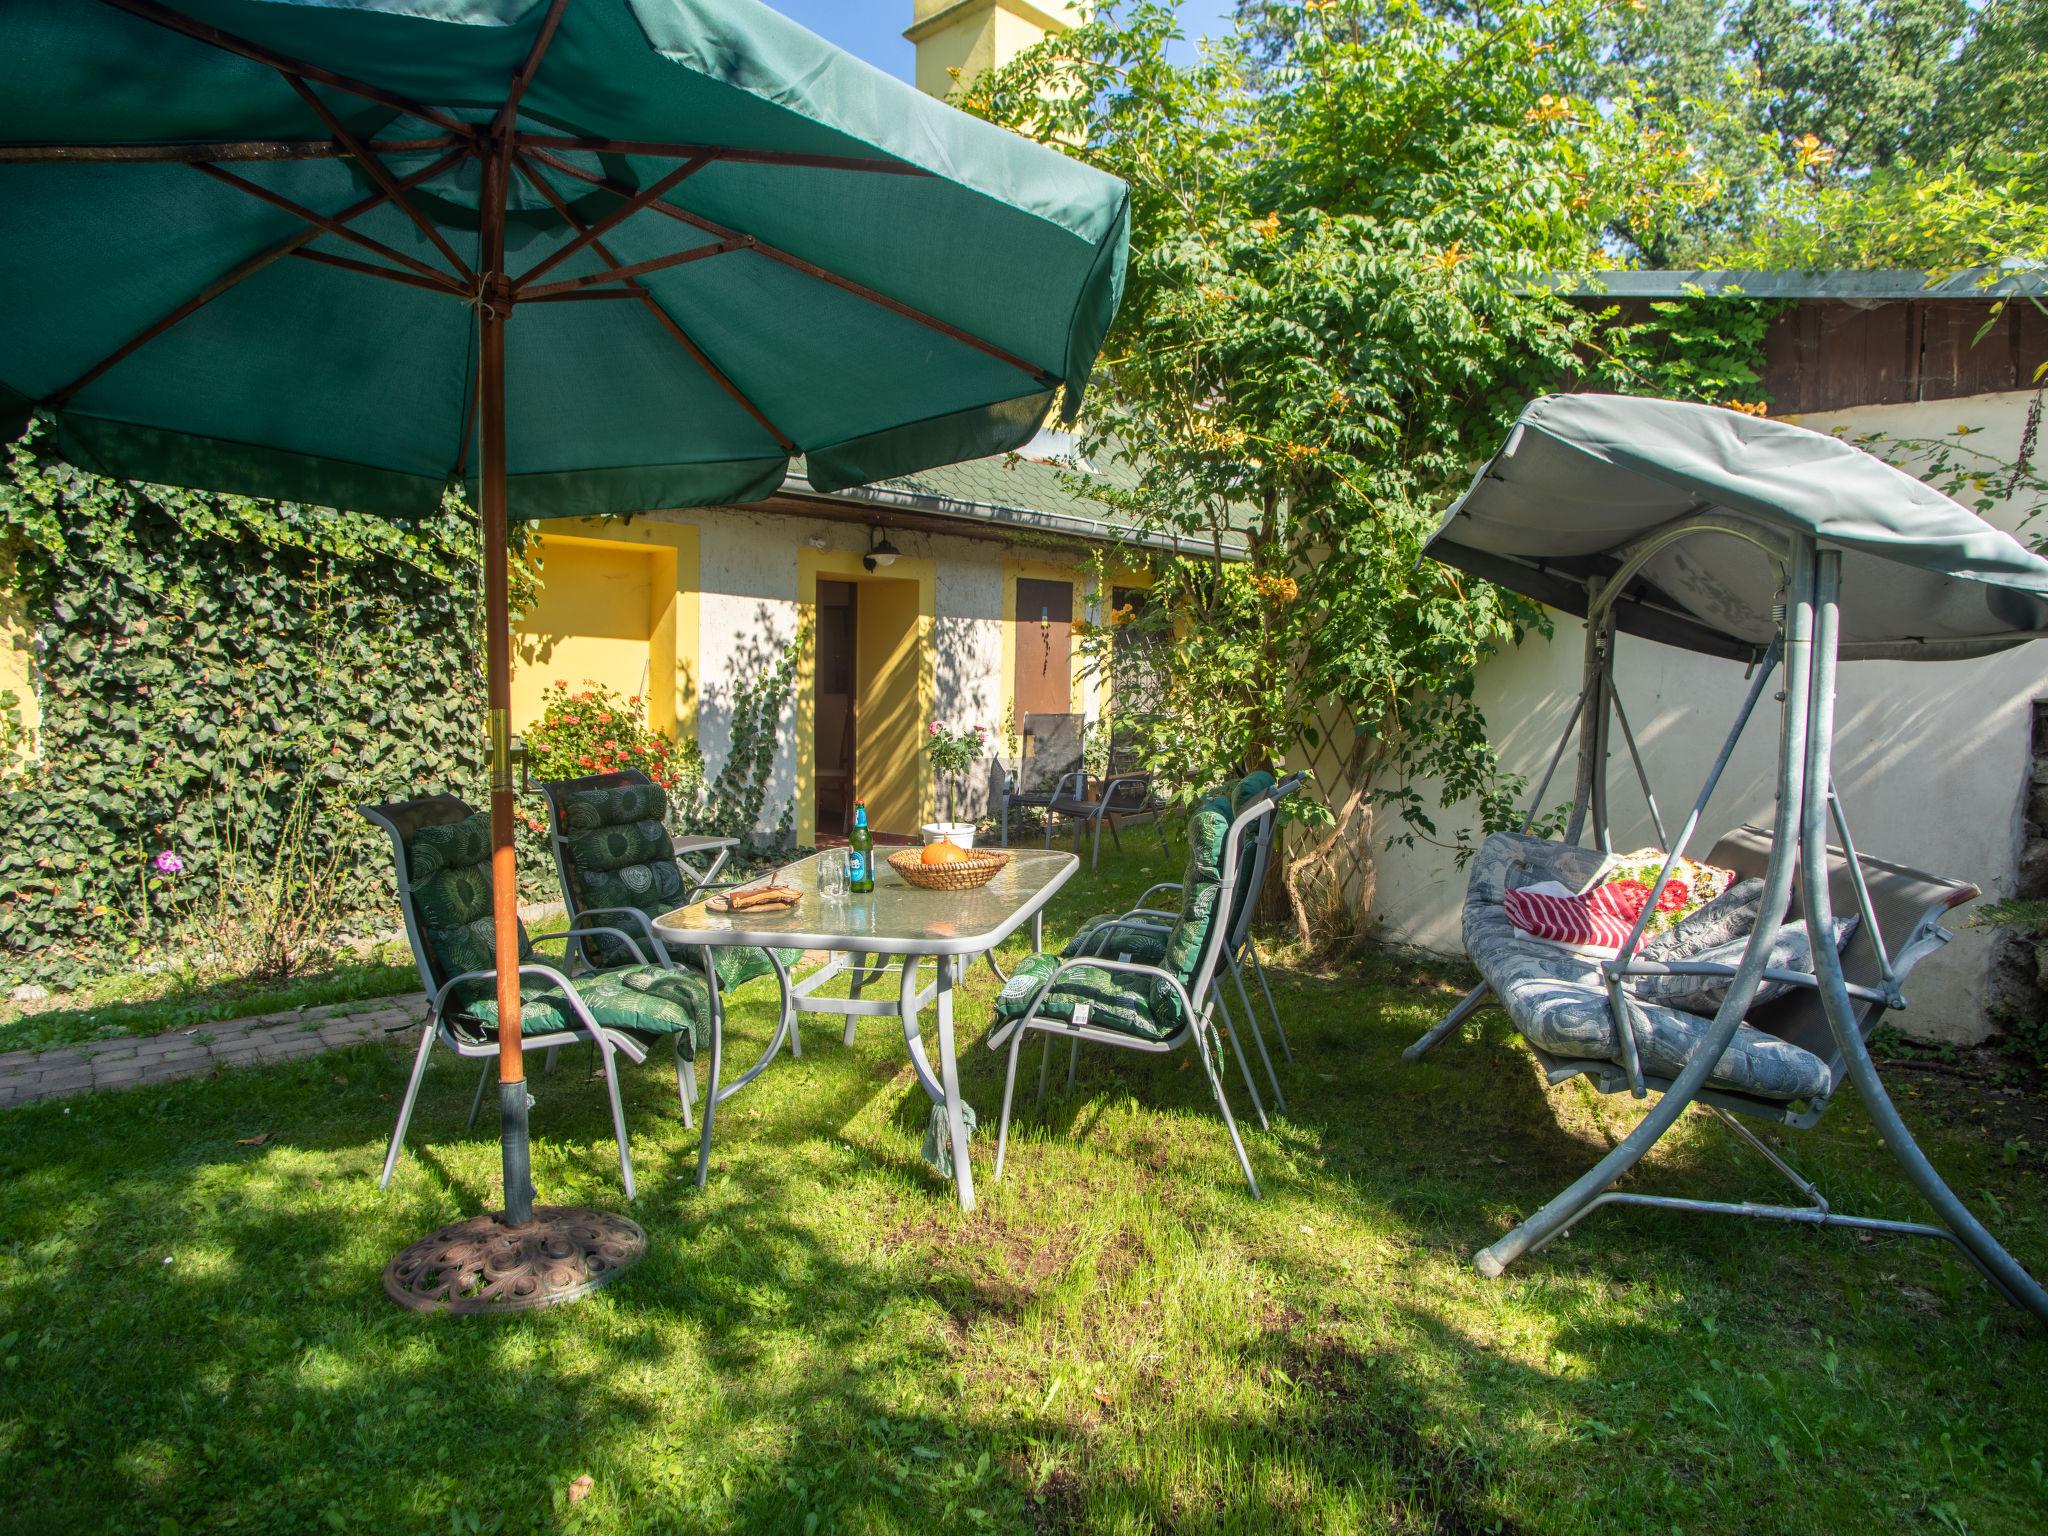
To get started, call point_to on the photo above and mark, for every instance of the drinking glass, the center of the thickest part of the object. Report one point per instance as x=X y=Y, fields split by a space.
x=832 y=874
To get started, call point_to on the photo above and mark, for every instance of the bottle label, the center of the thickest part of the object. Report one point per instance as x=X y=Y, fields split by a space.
x=856 y=865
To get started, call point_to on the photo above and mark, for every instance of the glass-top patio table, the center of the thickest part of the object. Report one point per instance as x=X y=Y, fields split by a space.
x=896 y=919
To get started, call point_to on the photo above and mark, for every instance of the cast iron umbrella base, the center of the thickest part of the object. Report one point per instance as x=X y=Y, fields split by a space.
x=481 y=1265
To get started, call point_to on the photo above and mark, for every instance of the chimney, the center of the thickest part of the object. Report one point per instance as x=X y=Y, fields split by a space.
x=958 y=39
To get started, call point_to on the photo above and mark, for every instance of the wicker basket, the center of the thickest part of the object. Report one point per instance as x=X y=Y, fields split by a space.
x=970 y=874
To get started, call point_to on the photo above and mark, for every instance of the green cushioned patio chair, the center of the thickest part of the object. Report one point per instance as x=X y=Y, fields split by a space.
x=1139 y=933
x=1156 y=1007
x=442 y=849
x=618 y=867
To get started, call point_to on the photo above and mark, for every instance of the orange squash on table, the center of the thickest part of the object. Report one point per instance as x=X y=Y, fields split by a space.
x=944 y=851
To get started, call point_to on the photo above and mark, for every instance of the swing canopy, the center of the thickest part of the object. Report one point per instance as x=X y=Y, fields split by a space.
x=1583 y=479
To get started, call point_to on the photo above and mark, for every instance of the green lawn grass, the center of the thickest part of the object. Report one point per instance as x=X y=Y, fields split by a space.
x=193 y=1336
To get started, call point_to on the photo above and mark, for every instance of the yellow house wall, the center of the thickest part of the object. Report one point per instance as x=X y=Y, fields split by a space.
x=894 y=682
x=618 y=606
x=17 y=646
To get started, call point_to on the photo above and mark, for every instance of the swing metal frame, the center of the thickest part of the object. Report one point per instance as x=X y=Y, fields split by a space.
x=1804 y=655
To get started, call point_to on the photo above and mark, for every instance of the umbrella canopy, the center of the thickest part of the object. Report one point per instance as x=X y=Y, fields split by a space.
x=240 y=249
x=1584 y=477
x=590 y=256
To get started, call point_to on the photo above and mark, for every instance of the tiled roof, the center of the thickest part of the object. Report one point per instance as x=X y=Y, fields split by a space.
x=1019 y=492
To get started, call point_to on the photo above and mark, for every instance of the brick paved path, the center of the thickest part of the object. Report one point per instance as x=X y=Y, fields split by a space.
x=133 y=1061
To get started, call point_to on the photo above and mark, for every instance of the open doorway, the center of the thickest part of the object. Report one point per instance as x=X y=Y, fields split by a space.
x=838 y=648
x=869 y=707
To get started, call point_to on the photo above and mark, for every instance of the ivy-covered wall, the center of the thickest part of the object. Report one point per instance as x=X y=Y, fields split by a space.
x=205 y=664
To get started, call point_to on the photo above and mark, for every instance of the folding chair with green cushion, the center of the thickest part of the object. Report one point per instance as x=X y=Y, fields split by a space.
x=618 y=866
x=1153 y=1007
x=442 y=849
x=1139 y=933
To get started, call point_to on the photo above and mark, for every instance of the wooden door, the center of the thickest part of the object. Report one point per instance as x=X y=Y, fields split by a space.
x=1044 y=679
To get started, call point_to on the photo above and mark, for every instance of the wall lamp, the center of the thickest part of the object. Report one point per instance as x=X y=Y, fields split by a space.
x=880 y=552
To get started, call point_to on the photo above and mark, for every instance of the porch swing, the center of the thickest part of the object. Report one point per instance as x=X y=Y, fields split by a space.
x=1787 y=551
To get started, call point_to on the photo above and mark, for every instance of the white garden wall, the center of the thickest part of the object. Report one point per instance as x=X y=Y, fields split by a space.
x=1932 y=758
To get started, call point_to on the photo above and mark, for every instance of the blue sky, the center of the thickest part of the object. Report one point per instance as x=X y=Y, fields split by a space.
x=874 y=28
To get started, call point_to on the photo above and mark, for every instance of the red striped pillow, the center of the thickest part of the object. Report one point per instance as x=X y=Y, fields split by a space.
x=1600 y=918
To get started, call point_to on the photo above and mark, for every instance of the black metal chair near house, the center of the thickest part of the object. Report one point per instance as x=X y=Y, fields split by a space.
x=1123 y=795
x=1049 y=751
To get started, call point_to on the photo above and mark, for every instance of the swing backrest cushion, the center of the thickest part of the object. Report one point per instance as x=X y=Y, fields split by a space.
x=1907 y=903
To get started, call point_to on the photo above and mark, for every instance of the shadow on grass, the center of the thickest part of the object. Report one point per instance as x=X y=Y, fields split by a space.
x=1118 y=1337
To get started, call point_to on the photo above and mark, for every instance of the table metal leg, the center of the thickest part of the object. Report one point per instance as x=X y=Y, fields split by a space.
x=949 y=1076
x=943 y=1087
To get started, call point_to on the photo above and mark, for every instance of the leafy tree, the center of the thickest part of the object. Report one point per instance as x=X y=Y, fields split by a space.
x=1840 y=132
x=1336 y=302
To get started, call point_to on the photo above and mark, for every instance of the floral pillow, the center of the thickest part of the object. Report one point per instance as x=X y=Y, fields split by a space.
x=1691 y=886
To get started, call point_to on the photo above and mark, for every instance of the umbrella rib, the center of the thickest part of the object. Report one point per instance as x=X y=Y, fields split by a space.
x=618 y=215
x=186 y=154
x=264 y=194
x=227 y=42
x=381 y=174
x=222 y=284
x=655 y=149
x=811 y=269
x=634 y=288
x=433 y=284
x=652 y=264
x=531 y=67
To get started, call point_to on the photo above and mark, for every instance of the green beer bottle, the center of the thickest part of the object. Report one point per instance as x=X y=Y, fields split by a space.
x=860 y=852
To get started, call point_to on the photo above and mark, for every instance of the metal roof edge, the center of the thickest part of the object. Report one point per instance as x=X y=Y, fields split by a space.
x=2010 y=279
x=1066 y=524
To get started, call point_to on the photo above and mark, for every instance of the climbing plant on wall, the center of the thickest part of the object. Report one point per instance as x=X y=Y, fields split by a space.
x=202 y=661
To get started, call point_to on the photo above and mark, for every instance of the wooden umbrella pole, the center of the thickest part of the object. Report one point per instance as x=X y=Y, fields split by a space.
x=493 y=308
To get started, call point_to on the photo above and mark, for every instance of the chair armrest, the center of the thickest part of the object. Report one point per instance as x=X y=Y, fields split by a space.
x=1120 y=925
x=1078 y=779
x=1153 y=890
x=641 y=922
x=639 y=955
x=1639 y=967
x=545 y=972
x=692 y=842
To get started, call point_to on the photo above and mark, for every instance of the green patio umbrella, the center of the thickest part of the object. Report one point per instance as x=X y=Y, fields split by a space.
x=585 y=256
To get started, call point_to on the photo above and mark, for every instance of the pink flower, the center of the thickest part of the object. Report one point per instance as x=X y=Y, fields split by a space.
x=168 y=863
x=935 y=729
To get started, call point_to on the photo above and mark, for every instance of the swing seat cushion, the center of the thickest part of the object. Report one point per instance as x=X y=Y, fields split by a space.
x=1558 y=998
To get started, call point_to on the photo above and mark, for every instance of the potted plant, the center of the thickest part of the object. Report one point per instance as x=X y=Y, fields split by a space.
x=953 y=752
